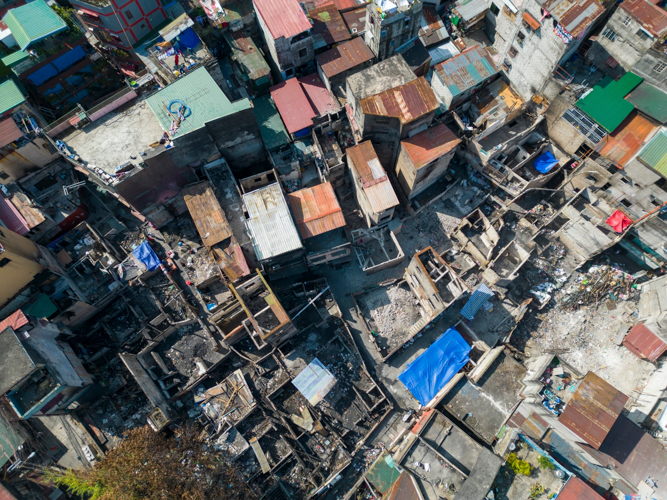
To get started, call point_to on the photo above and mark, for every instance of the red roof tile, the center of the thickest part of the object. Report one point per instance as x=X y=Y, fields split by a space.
x=319 y=96
x=283 y=17
x=576 y=489
x=407 y=102
x=344 y=57
x=293 y=105
x=651 y=17
x=316 y=210
x=432 y=143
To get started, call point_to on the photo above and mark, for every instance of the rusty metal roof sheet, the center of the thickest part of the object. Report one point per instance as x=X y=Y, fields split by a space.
x=344 y=57
x=644 y=343
x=341 y=5
x=328 y=23
x=651 y=17
x=593 y=409
x=627 y=139
x=355 y=20
x=406 y=102
x=319 y=96
x=293 y=105
x=432 y=29
x=574 y=15
x=373 y=177
x=576 y=489
x=9 y=131
x=316 y=210
x=404 y=489
x=283 y=17
x=432 y=143
x=467 y=69
x=206 y=213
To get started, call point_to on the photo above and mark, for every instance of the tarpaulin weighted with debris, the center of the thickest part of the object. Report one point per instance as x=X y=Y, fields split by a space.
x=479 y=297
x=619 y=221
x=145 y=254
x=429 y=373
x=545 y=162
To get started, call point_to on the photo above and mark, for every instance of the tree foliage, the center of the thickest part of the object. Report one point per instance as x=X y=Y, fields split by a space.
x=545 y=463
x=151 y=466
x=519 y=466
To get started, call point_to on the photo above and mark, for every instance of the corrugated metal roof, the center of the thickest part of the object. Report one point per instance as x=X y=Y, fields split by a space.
x=443 y=52
x=593 y=409
x=319 y=96
x=355 y=20
x=623 y=86
x=328 y=23
x=15 y=321
x=406 y=102
x=32 y=22
x=9 y=131
x=627 y=139
x=344 y=57
x=374 y=180
x=432 y=29
x=532 y=22
x=655 y=154
x=11 y=217
x=237 y=9
x=481 y=294
x=650 y=100
x=15 y=58
x=283 y=17
x=10 y=96
x=605 y=108
x=466 y=70
x=576 y=489
x=340 y=4
x=272 y=230
x=432 y=143
x=644 y=343
x=470 y=9
x=206 y=213
x=245 y=53
x=404 y=489
x=574 y=15
x=271 y=126
x=651 y=17
x=293 y=105
x=316 y=210
x=201 y=94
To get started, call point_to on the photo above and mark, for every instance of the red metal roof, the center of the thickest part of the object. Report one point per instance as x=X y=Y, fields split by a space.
x=293 y=105
x=11 y=217
x=574 y=15
x=344 y=57
x=328 y=23
x=15 y=321
x=319 y=96
x=342 y=5
x=432 y=143
x=9 y=131
x=593 y=409
x=576 y=489
x=651 y=17
x=643 y=343
x=316 y=210
x=627 y=139
x=406 y=102
x=372 y=176
x=283 y=17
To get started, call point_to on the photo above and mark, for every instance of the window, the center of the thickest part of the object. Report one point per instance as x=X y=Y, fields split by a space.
x=512 y=52
x=605 y=187
x=660 y=67
x=609 y=34
x=627 y=20
x=128 y=14
x=303 y=52
x=4 y=262
x=494 y=9
x=392 y=43
x=383 y=33
x=4 y=175
x=643 y=35
x=592 y=179
x=626 y=203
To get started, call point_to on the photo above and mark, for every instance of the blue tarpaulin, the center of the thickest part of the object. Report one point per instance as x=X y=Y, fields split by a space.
x=145 y=254
x=429 y=373
x=69 y=58
x=479 y=296
x=188 y=39
x=545 y=162
x=43 y=74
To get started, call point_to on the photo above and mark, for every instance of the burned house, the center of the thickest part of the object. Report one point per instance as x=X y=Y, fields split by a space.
x=372 y=188
x=424 y=158
x=477 y=237
x=505 y=267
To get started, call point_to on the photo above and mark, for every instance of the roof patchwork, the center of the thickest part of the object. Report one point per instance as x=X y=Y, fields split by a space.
x=466 y=70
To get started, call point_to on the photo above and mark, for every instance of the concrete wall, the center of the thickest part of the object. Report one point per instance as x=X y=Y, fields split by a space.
x=20 y=266
x=560 y=131
x=398 y=28
x=17 y=163
x=646 y=69
x=238 y=139
x=627 y=48
x=414 y=181
x=439 y=88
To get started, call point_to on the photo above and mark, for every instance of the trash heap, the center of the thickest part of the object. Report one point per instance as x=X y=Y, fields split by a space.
x=601 y=283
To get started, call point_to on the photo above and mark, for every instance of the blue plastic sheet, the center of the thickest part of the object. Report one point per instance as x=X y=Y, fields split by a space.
x=545 y=162
x=146 y=256
x=188 y=39
x=69 y=58
x=43 y=74
x=429 y=373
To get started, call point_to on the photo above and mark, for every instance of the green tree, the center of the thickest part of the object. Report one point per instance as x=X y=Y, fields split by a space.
x=545 y=463
x=519 y=466
x=151 y=466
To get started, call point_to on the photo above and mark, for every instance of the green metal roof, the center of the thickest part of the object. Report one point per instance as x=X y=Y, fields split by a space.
x=655 y=154
x=270 y=125
x=10 y=440
x=237 y=9
x=622 y=87
x=43 y=307
x=33 y=22
x=15 y=58
x=10 y=95
x=650 y=100
x=605 y=107
x=199 y=92
x=245 y=53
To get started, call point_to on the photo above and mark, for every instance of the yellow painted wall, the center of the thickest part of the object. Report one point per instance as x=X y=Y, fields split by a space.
x=22 y=266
